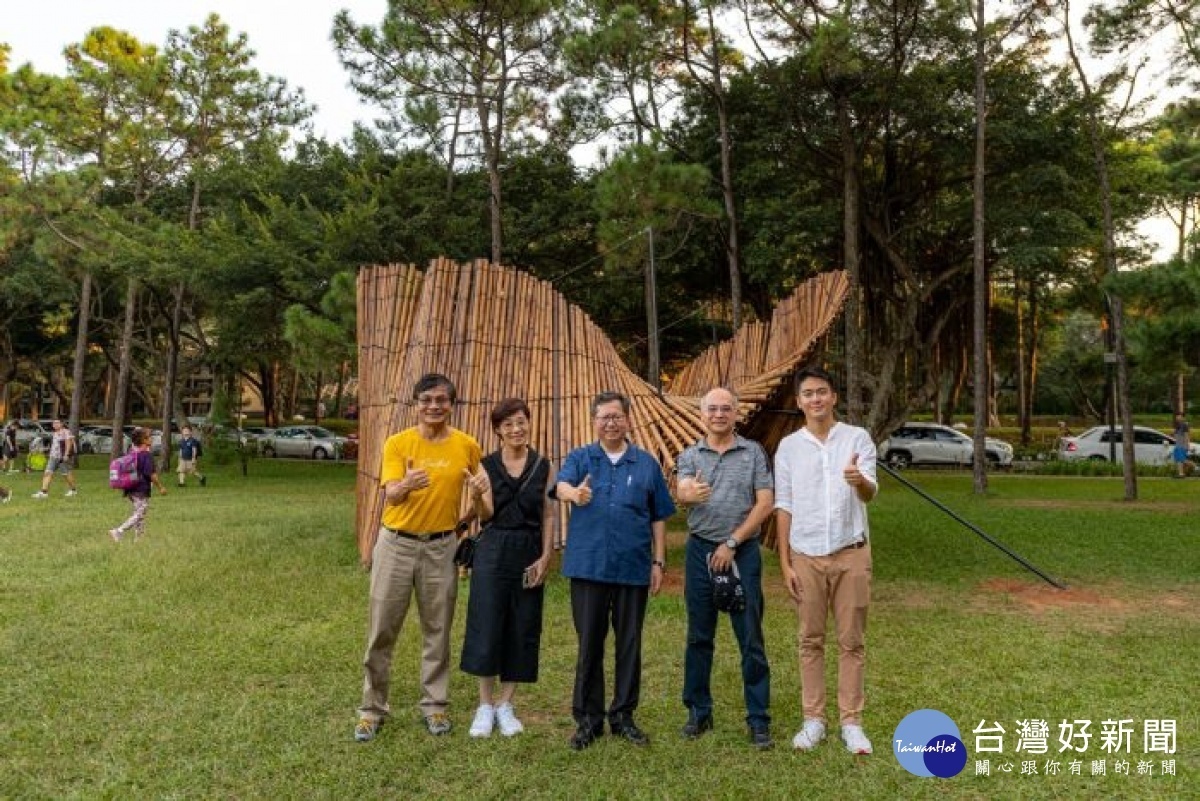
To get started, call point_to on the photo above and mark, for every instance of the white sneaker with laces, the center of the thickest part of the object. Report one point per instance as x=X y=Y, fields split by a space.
x=810 y=734
x=71 y=494
x=509 y=725
x=485 y=719
x=40 y=494
x=856 y=740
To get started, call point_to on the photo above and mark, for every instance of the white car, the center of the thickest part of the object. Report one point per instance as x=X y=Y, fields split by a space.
x=1150 y=446
x=933 y=443
x=28 y=430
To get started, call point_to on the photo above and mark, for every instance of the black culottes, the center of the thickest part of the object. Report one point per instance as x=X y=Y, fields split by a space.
x=504 y=619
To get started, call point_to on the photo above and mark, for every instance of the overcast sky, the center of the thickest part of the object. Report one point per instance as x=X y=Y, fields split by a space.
x=291 y=38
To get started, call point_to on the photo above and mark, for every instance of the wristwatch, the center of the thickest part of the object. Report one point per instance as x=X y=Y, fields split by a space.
x=732 y=543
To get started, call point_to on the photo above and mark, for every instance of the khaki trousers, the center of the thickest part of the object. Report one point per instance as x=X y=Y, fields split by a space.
x=401 y=568
x=841 y=583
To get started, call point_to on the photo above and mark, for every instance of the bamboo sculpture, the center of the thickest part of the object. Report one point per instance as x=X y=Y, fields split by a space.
x=498 y=332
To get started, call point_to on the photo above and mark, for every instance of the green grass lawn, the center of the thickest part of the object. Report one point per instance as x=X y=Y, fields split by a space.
x=219 y=656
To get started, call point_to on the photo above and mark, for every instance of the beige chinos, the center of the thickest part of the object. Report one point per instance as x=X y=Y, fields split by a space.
x=400 y=568
x=840 y=582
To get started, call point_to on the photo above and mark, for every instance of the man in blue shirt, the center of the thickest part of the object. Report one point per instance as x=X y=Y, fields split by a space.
x=615 y=557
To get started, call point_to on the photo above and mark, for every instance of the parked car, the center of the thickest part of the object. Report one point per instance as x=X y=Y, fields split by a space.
x=1150 y=446
x=933 y=443
x=27 y=430
x=304 y=441
x=99 y=439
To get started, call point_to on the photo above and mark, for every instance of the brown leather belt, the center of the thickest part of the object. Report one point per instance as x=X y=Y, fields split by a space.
x=430 y=537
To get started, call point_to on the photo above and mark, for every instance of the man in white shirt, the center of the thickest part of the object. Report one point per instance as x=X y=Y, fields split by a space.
x=824 y=478
x=62 y=460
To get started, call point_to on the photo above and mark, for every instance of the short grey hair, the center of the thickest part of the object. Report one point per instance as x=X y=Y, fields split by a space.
x=608 y=397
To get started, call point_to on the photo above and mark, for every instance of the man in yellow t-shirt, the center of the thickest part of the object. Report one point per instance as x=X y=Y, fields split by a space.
x=424 y=471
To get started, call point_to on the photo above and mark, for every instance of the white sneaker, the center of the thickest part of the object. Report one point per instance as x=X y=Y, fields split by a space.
x=40 y=494
x=509 y=725
x=856 y=740
x=485 y=719
x=810 y=734
x=71 y=494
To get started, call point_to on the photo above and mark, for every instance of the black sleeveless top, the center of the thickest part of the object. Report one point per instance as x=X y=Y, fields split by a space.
x=525 y=513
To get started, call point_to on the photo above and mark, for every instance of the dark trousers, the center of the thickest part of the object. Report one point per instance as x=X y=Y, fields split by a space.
x=747 y=628
x=596 y=605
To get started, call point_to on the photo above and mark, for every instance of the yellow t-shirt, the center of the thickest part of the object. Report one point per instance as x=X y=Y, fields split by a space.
x=434 y=508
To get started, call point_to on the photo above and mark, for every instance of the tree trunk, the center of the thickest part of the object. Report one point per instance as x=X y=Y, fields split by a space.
x=851 y=222
x=1032 y=348
x=317 y=402
x=125 y=368
x=733 y=252
x=170 y=380
x=81 y=340
x=1022 y=360
x=1109 y=261
x=653 y=364
x=979 y=318
x=341 y=389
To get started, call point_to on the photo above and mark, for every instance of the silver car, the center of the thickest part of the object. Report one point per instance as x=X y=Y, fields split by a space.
x=933 y=443
x=307 y=442
x=99 y=439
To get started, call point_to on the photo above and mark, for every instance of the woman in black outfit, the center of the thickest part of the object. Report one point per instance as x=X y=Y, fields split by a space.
x=504 y=611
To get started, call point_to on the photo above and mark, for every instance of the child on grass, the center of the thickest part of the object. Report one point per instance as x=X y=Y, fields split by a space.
x=139 y=496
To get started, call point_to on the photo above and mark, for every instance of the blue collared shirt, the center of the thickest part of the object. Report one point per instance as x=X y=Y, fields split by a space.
x=610 y=539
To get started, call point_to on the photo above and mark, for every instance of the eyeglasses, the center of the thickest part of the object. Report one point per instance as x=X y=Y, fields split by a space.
x=434 y=400
x=514 y=425
x=611 y=419
x=719 y=409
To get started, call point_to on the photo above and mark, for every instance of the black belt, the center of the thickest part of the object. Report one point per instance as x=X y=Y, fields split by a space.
x=852 y=546
x=430 y=537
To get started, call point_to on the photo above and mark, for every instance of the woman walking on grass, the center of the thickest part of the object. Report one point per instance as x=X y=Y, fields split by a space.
x=140 y=495
x=504 y=612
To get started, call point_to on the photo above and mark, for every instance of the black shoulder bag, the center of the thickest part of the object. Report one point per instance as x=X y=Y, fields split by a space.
x=464 y=554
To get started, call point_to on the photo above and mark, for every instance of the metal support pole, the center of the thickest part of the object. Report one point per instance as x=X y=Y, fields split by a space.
x=976 y=529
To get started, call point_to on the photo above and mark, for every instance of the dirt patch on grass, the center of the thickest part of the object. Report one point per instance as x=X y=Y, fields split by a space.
x=1104 y=607
x=1039 y=597
x=672 y=583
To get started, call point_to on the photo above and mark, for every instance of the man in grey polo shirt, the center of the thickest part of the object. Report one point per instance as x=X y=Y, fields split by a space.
x=726 y=482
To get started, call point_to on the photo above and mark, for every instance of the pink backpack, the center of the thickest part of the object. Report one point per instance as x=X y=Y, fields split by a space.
x=123 y=472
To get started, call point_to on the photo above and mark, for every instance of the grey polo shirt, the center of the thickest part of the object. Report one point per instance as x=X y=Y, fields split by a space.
x=735 y=475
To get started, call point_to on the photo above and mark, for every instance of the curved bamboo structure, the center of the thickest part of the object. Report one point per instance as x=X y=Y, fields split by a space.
x=498 y=332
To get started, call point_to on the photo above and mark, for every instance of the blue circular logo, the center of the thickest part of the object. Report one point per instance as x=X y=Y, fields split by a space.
x=928 y=743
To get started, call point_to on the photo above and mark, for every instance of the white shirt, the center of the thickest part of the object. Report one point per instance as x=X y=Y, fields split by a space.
x=827 y=514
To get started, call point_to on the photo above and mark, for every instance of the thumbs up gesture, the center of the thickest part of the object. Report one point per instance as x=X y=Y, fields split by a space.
x=583 y=491
x=852 y=474
x=415 y=477
x=478 y=484
x=694 y=489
